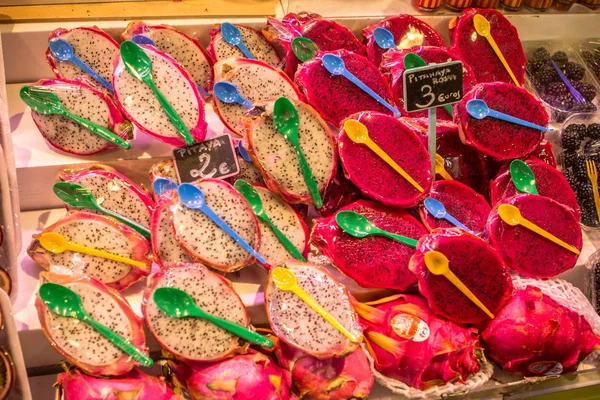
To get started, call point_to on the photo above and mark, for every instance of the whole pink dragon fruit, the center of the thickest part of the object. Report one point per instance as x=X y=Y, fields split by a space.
x=534 y=335
x=261 y=49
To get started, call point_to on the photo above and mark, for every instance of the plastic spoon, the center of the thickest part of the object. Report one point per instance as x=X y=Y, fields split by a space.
x=384 y=39
x=523 y=177
x=576 y=95
x=438 y=264
x=358 y=133
x=179 y=304
x=440 y=168
x=141 y=39
x=482 y=26
x=79 y=197
x=304 y=48
x=479 y=109
x=253 y=198
x=161 y=185
x=285 y=280
x=193 y=198
x=243 y=152
x=139 y=65
x=335 y=65
x=411 y=60
x=63 y=50
x=359 y=226
x=64 y=302
x=437 y=209
x=512 y=216
x=228 y=93
x=287 y=121
x=45 y=102
x=233 y=36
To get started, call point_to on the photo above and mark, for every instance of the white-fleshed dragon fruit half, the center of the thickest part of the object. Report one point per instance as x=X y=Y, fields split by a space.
x=166 y=248
x=261 y=49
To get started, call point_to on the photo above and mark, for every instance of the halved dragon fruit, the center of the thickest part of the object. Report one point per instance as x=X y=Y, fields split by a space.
x=373 y=176
x=477 y=264
x=545 y=153
x=256 y=82
x=500 y=139
x=139 y=103
x=195 y=339
x=113 y=191
x=478 y=53
x=203 y=240
x=261 y=49
x=85 y=101
x=166 y=249
x=534 y=335
x=92 y=45
x=276 y=157
x=408 y=32
x=334 y=96
x=294 y=322
x=183 y=48
x=78 y=342
x=373 y=261
x=338 y=194
x=525 y=251
x=98 y=232
x=463 y=203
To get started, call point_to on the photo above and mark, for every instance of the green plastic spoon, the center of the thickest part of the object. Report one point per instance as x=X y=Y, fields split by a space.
x=138 y=64
x=45 y=102
x=79 y=197
x=286 y=121
x=63 y=301
x=179 y=304
x=304 y=48
x=523 y=177
x=411 y=60
x=359 y=226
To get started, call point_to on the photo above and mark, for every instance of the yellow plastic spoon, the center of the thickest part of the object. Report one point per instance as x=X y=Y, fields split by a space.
x=440 y=169
x=358 y=133
x=286 y=280
x=512 y=216
x=482 y=26
x=438 y=264
x=56 y=243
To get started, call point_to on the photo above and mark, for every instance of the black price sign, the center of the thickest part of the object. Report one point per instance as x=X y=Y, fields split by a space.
x=433 y=86
x=213 y=158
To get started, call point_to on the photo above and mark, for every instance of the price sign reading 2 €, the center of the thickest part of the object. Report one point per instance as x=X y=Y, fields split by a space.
x=433 y=86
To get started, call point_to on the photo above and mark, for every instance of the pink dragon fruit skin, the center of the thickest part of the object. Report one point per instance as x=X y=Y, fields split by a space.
x=533 y=333
x=408 y=32
x=477 y=264
x=478 y=53
x=335 y=97
x=412 y=345
x=528 y=253
x=500 y=139
x=373 y=261
x=165 y=248
x=261 y=49
x=380 y=181
x=135 y=385
x=545 y=153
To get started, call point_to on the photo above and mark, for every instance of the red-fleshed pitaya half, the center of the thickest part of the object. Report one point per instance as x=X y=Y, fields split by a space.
x=392 y=66
x=256 y=82
x=276 y=157
x=548 y=181
x=139 y=103
x=463 y=203
x=98 y=232
x=373 y=261
x=477 y=264
x=478 y=53
x=135 y=385
x=92 y=45
x=545 y=153
x=534 y=335
x=297 y=324
x=338 y=194
x=165 y=247
x=82 y=345
x=203 y=240
x=85 y=101
x=372 y=175
x=186 y=50
x=195 y=339
x=334 y=96
x=494 y=137
x=410 y=344
x=261 y=49
x=113 y=191
x=525 y=251
x=408 y=32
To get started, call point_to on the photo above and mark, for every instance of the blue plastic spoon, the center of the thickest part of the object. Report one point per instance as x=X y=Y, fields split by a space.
x=478 y=108
x=63 y=50
x=141 y=39
x=566 y=81
x=384 y=38
x=335 y=65
x=228 y=93
x=437 y=209
x=243 y=152
x=233 y=36
x=162 y=185
x=193 y=198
